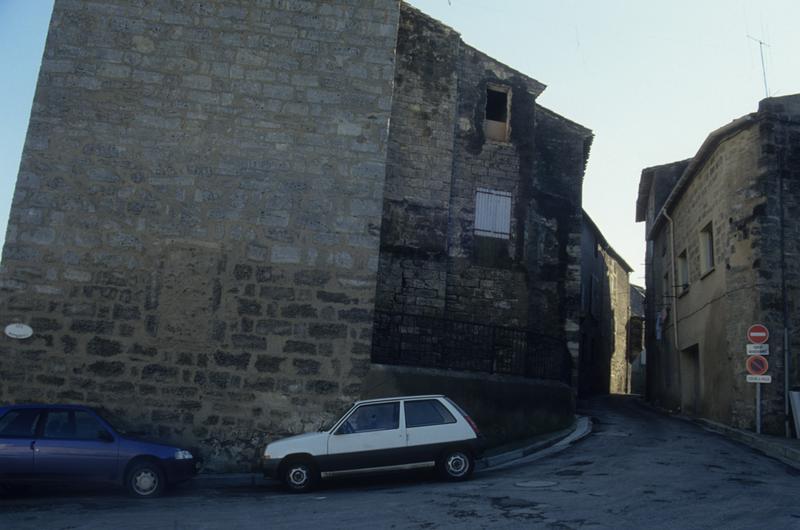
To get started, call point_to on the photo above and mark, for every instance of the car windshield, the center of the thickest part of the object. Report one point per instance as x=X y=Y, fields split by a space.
x=328 y=425
x=119 y=424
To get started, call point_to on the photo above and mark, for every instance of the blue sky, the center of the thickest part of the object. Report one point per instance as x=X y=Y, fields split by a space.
x=651 y=78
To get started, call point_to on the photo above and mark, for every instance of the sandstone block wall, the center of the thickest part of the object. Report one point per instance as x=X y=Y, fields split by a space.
x=195 y=228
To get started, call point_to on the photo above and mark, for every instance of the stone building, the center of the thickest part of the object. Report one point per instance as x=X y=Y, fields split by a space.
x=721 y=232
x=210 y=197
x=605 y=315
x=637 y=354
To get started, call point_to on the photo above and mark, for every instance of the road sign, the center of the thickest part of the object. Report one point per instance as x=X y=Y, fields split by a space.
x=758 y=334
x=758 y=349
x=757 y=365
x=759 y=378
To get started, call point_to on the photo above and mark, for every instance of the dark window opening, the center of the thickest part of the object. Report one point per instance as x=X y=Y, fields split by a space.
x=496 y=105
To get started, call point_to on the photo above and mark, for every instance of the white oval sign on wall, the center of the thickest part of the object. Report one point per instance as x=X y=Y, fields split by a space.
x=19 y=331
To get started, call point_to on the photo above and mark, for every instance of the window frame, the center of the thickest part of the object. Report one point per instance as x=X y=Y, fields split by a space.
x=682 y=266
x=37 y=424
x=340 y=428
x=438 y=406
x=707 y=254
x=101 y=426
x=506 y=132
x=494 y=199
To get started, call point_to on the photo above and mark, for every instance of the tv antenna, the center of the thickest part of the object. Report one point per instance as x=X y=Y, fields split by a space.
x=761 y=45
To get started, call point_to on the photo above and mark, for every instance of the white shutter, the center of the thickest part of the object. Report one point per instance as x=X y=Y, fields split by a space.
x=493 y=213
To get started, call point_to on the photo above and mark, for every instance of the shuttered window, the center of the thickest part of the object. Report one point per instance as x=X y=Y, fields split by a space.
x=493 y=213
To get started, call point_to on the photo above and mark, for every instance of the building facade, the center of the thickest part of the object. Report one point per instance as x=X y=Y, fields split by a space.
x=720 y=235
x=605 y=316
x=479 y=261
x=214 y=218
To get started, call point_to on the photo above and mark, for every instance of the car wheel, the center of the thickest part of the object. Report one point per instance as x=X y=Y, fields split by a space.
x=300 y=475
x=456 y=464
x=145 y=480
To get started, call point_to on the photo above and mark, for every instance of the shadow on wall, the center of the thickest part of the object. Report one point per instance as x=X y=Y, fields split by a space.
x=505 y=408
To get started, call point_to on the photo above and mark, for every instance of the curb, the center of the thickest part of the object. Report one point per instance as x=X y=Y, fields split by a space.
x=786 y=454
x=580 y=429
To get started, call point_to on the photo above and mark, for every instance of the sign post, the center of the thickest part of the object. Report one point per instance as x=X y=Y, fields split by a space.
x=757 y=365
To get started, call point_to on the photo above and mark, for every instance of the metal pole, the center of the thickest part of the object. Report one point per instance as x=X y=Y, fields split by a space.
x=758 y=408
x=763 y=70
x=786 y=427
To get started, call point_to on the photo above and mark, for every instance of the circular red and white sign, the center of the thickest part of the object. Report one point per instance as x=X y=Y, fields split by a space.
x=757 y=365
x=757 y=334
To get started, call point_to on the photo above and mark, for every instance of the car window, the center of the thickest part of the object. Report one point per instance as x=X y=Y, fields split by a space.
x=427 y=412
x=72 y=425
x=19 y=423
x=377 y=417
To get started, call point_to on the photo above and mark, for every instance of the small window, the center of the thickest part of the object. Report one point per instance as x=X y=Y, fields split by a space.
x=19 y=423
x=683 y=273
x=707 y=249
x=427 y=412
x=497 y=113
x=666 y=287
x=493 y=213
x=378 y=417
x=72 y=425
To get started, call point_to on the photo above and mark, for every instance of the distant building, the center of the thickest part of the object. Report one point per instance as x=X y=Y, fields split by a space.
x=605 y=315
x=722 y=239
x=637 y=356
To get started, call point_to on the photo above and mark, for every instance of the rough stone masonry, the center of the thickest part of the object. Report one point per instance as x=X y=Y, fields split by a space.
x=194 y=232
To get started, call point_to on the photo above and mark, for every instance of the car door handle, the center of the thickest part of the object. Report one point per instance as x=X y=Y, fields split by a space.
x=33 y=447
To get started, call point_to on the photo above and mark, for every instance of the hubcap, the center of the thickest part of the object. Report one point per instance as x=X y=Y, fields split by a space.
x=457 y=464
x=298 y=476
x=145 y=482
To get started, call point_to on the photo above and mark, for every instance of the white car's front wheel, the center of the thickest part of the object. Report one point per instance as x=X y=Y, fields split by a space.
x=300 y=475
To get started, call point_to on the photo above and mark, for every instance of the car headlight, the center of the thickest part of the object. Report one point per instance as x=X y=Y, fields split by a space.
x=183 y=454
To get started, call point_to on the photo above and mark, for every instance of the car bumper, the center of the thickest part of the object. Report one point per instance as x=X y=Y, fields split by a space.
x=180 y=470
x=270 y=467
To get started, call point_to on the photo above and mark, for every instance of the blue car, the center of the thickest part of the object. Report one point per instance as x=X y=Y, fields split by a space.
x=75 y=444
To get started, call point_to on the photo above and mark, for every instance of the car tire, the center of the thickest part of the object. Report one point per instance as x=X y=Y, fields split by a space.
x=456 y=464
x=145 y=480
x=300 y=475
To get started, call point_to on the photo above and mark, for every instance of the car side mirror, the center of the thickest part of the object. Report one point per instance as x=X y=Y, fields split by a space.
x=105 y=436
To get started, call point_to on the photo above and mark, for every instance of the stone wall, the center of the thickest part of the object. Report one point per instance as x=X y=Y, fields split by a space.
x=195 y=228
x=432 y=263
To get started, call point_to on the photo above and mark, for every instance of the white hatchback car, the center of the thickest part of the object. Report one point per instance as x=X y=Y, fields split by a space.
x=380 y=435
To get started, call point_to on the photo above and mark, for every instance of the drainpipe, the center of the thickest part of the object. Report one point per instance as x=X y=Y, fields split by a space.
x=674 y=282
x=786 y=353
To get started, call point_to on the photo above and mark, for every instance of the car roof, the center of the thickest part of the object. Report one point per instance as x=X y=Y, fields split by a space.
x=397 y=398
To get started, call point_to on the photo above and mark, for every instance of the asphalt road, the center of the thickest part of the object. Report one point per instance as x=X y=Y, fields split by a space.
x=637 y=470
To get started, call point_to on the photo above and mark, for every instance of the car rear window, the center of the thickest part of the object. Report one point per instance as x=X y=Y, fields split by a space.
x=19 y=423
x=427 y=412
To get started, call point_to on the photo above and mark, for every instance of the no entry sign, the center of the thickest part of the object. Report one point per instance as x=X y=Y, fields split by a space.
x=757 y=334
x=757 y=365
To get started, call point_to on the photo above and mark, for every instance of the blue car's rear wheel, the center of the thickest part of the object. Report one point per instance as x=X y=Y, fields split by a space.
x=145 y=480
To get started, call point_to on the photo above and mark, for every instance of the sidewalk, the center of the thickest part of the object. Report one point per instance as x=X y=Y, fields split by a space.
x=494 y=457
x=787 y=450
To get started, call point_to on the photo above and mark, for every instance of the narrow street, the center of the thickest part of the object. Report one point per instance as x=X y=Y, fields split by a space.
x=637 y=470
